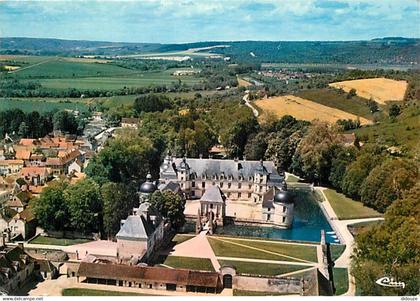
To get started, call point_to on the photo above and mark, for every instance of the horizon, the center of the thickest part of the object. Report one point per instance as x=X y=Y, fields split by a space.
x=189 y=21
x=207 y=41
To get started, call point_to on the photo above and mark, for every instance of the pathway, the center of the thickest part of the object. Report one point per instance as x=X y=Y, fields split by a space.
x=248 y=104
x=197 y=247
x=311 y=264
x=340 y=226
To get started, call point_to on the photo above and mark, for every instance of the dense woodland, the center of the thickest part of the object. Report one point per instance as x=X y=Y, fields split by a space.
x=377 y=51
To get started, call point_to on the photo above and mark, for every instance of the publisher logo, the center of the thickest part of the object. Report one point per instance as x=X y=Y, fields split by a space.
x=390 y=282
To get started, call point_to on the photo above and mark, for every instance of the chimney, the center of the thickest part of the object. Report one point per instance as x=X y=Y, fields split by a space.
x=201 y=156
x=244 y=157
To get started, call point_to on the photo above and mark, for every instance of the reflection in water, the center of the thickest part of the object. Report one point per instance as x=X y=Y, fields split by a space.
x=307 y=224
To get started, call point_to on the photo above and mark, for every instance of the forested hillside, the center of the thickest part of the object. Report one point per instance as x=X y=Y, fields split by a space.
x=377 y=51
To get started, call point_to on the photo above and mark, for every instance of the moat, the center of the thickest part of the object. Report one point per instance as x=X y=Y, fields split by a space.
x=308 y=222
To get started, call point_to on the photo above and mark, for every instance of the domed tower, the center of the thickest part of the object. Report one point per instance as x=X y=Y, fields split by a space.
x=146 y=189
x=283 y=203
x=184 y=176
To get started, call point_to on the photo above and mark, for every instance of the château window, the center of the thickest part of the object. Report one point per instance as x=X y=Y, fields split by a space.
x=203 y=185
x=221 y=184
x=211 y=206
x=239 y=195
x=229 y=185
x=269 y=209
x=239 y=185
x=249 y=195
x=192 y=184
x=284 y=208
x=249 y=186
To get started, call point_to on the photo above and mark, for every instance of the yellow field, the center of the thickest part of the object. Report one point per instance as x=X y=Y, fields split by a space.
x=379 y=89
x=302 y=109
x=11 y=68
x=243 y=83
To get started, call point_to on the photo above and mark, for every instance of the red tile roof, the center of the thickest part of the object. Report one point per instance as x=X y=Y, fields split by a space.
x=158 y=274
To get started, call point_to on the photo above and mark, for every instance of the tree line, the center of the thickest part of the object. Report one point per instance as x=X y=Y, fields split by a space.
x=37 y=125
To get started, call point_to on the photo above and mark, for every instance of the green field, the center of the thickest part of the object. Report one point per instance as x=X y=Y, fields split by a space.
x=93 y=292
x=192 y=263
x=163 y=78
x=333 y=99
x=346 y=208
x=263 y=269
x=240 y=249
x=41 y=105
x=341 y=280
x=43 y=240
x=60 y=68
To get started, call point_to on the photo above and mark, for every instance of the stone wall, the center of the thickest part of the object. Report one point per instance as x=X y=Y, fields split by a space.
x=268 y=284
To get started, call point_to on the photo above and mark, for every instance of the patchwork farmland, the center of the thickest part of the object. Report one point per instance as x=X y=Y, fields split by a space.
x=302 y=108
x=379 y=89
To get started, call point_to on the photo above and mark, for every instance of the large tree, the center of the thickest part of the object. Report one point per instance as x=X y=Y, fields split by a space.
x=126 y=158
x=387 y=182
x=237 y=135
x=391 y=249
x=85 y=206
x=169 y=205
x=315 y=151
x=51 y=209
x=358 y=170
x=66 y=122
x=119 y=199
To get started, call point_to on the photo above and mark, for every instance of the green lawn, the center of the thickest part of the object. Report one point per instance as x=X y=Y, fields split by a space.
x=331 y=98
x=346 y=208
x=336 y=251
x=92 y=292
x=226 y=249
x=43 y=240
x=263 y=269
x=292 y=179
x=202 y=264
x=341 y=280
x=255 y=294
x=180 y=238
x=41 y=105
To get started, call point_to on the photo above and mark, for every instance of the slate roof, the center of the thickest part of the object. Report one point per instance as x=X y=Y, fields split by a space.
x=154 y=274
x=213 y=194
x=135 y=228
x=231 y=168
x=171 y=186
x=268 y=198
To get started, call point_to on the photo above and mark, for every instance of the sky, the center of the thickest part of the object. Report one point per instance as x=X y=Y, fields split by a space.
x=180 y=21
